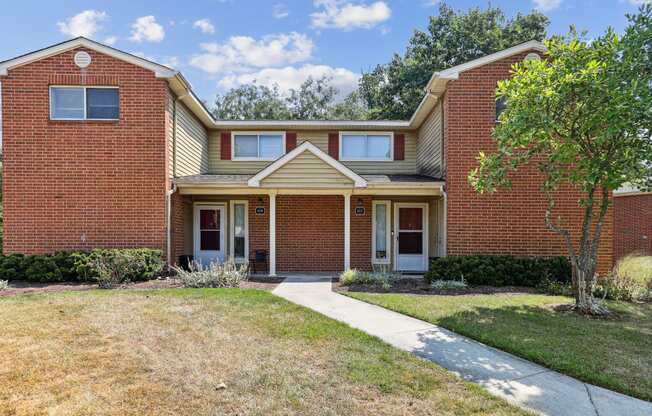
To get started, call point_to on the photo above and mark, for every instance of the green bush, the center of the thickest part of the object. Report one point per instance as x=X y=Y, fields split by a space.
x=380 y=278
x=77 y=265
x=630 y=280
x=487 y=270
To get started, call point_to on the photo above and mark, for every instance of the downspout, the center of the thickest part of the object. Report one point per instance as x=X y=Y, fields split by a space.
x=444 y=232
x=169 y=193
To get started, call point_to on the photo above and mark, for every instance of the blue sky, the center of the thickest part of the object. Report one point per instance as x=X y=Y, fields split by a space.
x=219 y=44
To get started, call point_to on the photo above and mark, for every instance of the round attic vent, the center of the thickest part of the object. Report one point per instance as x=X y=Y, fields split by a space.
x=532 y=57
x=82 y=59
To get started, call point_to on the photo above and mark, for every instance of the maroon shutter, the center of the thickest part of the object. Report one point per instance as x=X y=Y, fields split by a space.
x=399 y=147
x=290 y=142
x=225 y=145
x=334 y=145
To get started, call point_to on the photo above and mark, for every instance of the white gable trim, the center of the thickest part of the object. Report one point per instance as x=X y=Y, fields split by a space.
x=358 y=180
x=159 y=70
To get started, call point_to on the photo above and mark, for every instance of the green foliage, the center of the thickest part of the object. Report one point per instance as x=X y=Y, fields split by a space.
x=115 y=267
x=631 y=280
x=78 y=265
x=499 y=270
x=381 y=278
x=449 y=284
x=316 y=99
x=394 y=90
x=227 y=274
x=582 y=116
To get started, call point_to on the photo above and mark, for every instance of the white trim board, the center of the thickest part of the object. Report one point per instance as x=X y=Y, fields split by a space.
x=232 y=204
x=159 y=70
x=306 y=146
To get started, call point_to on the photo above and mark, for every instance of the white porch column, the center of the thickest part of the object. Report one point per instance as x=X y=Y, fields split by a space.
x=347 y=231
x=272 y=234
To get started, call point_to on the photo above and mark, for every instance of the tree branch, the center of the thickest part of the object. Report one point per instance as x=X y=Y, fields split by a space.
x=559 y=230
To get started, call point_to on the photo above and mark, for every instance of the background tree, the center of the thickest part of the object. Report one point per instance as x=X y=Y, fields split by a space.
x=584 y=117
x=315 y=99
x=394 y=90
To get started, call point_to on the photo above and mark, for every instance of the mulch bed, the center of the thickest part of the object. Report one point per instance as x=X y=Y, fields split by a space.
x=418 y=286
x=18 y=287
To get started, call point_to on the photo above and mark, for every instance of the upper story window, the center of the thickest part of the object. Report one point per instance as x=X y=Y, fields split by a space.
x=366 y=146
x=501 y=105
x=84 y=103
x=257 y=145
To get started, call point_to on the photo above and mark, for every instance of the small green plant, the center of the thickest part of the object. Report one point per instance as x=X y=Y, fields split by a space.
x=381 y=277
x=4 y=284
x=215 y=274
x=630 y=280
x=114 y=268
x=449 y=284
x=555 y=288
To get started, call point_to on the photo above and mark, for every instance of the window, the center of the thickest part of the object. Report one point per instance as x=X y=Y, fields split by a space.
x=209 y=230
x=258 y=146
x=239 y=231
x=366 y=146
x=501 y=105
x=84 y=103
x=381 y=232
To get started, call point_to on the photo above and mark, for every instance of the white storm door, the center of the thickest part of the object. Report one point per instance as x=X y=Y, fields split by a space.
x=209 y=233
x=411 y=236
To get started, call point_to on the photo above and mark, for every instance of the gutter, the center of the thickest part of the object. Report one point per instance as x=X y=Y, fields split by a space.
x=168 y=202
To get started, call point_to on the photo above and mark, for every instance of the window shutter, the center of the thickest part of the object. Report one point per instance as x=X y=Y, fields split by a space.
x=334 y=145
x=399 y=147
x=290 y=142
x=225 y=145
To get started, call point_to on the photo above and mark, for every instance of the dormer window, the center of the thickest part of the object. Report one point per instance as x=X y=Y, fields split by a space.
x=84 y=103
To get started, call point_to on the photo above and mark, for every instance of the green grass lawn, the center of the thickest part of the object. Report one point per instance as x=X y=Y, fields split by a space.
x=167 y=352
x=615 y=353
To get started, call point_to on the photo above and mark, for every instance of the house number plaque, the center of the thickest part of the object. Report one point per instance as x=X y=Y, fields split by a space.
x=260 y=211
x=359 y=211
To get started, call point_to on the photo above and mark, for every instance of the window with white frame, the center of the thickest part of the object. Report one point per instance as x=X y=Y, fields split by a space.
x=239 y=231
x=84 y=103
x=366 y=146
x=381 y=232
x=258 y=146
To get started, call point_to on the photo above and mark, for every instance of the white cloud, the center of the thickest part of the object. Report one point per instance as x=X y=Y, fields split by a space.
x=147 y=29
x=640 y=2
x=142 y=54
x=205 y=26
x=546 y=5
x=242 y=53
x=341 y=15
x=291 y=78
x=428 y=3
x=86 y=23
x=170 y=61
x=280 y=11
x=111 y=40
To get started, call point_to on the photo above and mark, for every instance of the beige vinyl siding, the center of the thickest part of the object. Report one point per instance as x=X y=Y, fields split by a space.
x=429 y=144
x=306 y=170
x=191 y=143
x=319 y=139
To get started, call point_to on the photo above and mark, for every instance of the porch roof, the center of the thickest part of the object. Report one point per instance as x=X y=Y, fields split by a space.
x=234 y=184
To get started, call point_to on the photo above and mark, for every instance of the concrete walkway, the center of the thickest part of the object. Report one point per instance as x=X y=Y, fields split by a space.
x=518 y=381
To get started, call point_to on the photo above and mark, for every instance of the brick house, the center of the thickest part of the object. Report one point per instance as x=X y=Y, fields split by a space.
x=106 y=149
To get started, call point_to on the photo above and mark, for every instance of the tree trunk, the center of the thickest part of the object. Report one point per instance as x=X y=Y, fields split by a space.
x=585 y=303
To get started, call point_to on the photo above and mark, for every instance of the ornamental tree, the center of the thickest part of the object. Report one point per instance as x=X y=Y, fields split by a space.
x=583 y=116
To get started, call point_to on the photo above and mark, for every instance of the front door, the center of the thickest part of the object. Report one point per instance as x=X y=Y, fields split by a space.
x=209 y=233
x=410 y=236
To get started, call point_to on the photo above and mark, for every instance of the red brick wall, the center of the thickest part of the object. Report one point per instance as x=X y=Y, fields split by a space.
x=632 y=225
x=181 y=209
x=80 y=185
x=510 y=221
x=258 y=224
x=309 y=233
x=361 y=233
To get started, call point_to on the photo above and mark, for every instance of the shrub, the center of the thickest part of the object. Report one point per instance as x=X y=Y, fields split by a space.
x=499 y=270
x=630 y=280
x=4 y=284
x=555 y=288
x=115 y=267
x=449 y=284
x=381 y=277
x=227 y=274
x=76 y=265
